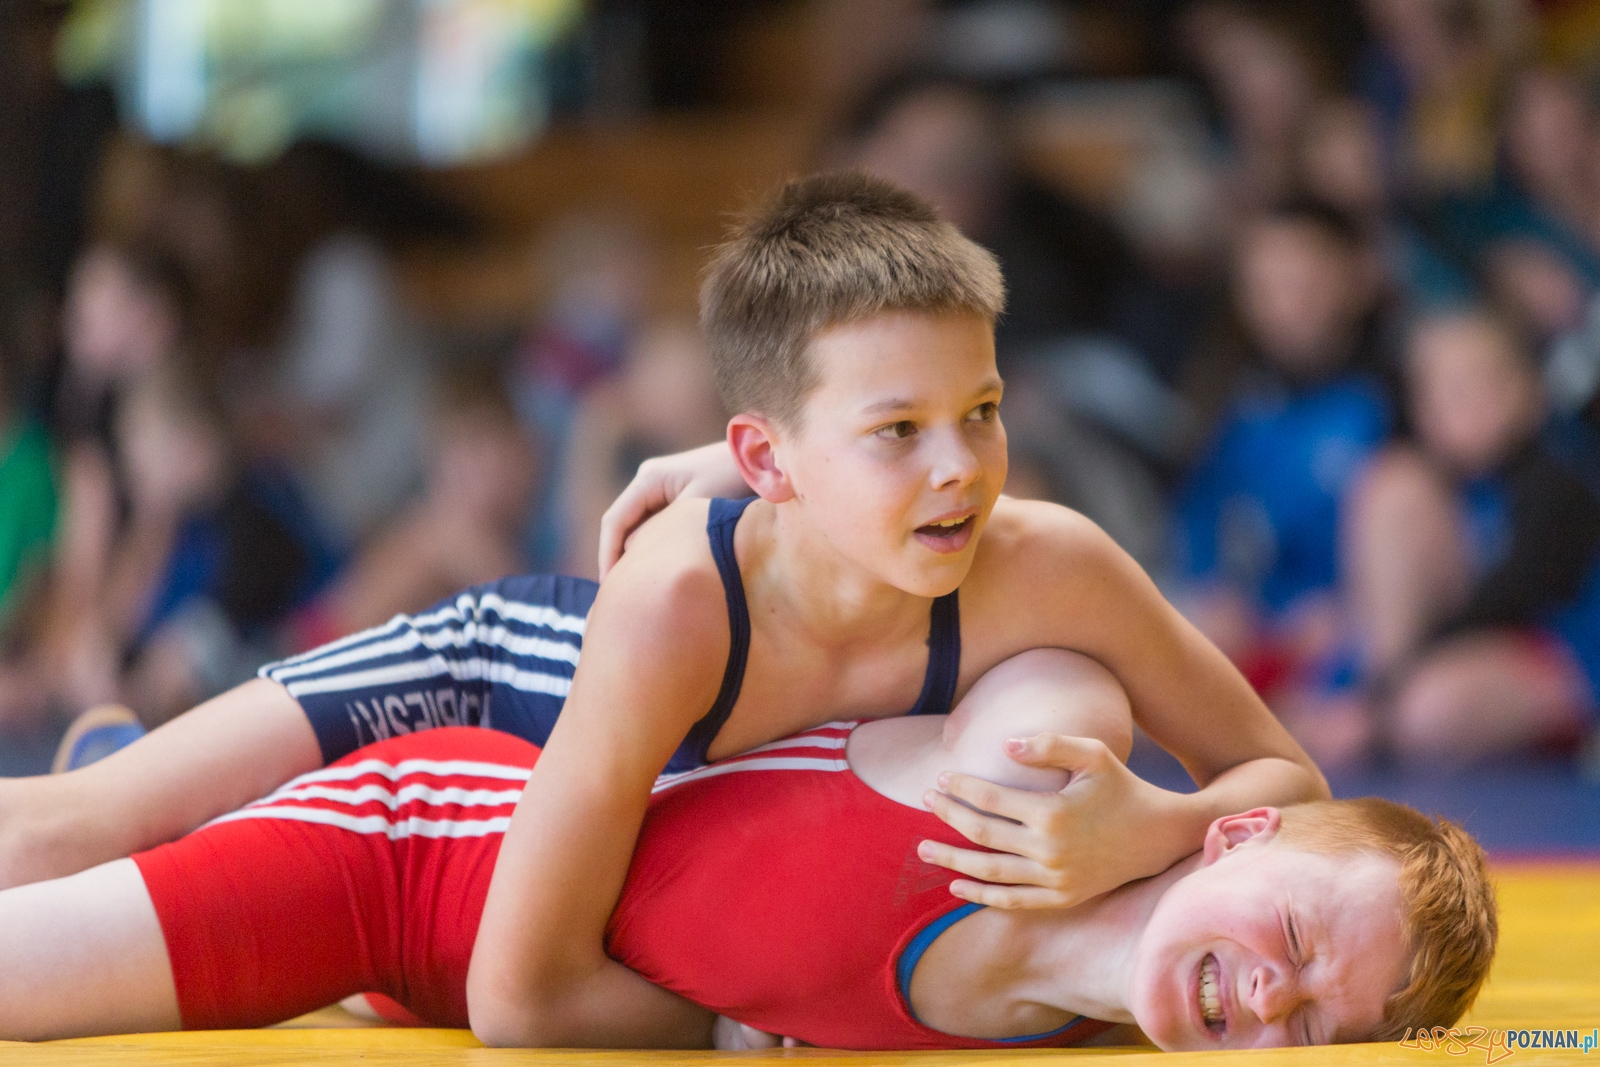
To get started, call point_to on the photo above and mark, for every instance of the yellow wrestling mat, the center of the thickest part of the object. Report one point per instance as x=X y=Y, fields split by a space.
x=1545 y=985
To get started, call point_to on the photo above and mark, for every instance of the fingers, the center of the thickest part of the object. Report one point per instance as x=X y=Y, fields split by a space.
x=985 y=866
x=976 y=826
x=647 y=494
x=1058 y=750
x=1019 y=805
x=1012 y=897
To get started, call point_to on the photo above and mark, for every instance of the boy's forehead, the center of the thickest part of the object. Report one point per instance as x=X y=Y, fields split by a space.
x=903 y=352
x=1342 y=889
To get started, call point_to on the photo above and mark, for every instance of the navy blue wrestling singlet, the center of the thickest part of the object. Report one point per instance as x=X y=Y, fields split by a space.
x=502 y=655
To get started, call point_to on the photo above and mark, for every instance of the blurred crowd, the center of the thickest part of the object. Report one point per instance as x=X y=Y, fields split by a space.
x=1332 y=376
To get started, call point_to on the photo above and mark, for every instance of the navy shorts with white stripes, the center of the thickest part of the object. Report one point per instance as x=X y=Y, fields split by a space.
x=499 y=655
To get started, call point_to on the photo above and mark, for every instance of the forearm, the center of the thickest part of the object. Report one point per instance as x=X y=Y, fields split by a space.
x=223 y=754
x=1266 y=782
x=539 y=975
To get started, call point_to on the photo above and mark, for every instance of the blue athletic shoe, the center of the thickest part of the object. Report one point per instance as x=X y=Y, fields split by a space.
x=96 y=734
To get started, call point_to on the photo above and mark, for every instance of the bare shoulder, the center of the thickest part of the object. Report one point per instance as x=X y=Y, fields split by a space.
x=1045 y=575
x=1034 y=539
x=665 y=591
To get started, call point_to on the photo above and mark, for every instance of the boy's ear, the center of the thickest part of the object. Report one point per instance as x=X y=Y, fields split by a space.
x=753 y=441
x=1231 y=831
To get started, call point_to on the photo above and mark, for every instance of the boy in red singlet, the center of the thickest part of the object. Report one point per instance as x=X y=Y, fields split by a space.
x=852 y=330
x=780 y=888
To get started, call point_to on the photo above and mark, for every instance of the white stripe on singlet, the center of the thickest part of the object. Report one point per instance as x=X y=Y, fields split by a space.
x=394 y=830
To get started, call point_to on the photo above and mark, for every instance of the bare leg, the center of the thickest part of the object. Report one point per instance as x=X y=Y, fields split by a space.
x=223 y=754
x=1486 y=694
x=1403 y=556
x=84 y=955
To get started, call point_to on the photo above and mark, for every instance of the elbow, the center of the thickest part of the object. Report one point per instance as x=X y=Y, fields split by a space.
x=1319 y=783
x=496 y=1023
x=502 y=1018
x=497 y=1032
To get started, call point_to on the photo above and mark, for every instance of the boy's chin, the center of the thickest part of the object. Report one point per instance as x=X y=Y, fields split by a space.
x=934 y=581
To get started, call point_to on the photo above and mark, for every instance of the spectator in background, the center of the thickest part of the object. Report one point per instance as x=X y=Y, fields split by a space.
x=174 y=558
x=1432 y=72
x=27 y=532
x=1548 y=131
x=1474 y=564
x=481 y=472
x=663 y=401
x=1255 y=541
x=597 y=276
x=355 y=371
x=123 y=320
x=27 y=499
x=214 y=555
x=947 y=140
x=1265 y=81
x=1532 y=229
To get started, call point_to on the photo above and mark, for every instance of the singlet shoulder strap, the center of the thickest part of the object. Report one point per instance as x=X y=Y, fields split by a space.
x=944 y=657
x=722 y=520
x=911 y=955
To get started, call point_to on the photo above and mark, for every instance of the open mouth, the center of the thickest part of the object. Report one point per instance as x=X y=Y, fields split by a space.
x=947 y=535
x=1208 y=995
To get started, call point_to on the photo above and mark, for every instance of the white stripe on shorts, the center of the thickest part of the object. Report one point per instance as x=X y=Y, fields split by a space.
x=434 y=667
x=495 y=636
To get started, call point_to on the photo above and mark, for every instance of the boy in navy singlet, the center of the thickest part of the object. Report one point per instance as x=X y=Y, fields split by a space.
x=852 y=331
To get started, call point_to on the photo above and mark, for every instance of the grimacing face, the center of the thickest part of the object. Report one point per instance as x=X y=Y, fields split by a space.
x=1269 y=945
x=899 y=454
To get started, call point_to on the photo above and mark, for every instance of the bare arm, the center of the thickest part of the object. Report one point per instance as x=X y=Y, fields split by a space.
x=1082 y=592
x=225 y=753
x=652 y=662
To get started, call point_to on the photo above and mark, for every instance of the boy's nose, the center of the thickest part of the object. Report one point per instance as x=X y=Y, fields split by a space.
x=954 y=462
x=1272 y=994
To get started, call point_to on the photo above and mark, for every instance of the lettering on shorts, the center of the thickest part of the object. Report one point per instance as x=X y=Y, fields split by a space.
x=414 y=710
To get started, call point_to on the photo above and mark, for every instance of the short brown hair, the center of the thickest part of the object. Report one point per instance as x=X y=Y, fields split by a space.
x=1450 y=917
x=823 y=250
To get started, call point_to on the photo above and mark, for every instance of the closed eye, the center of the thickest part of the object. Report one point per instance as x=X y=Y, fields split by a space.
x=1297 y=955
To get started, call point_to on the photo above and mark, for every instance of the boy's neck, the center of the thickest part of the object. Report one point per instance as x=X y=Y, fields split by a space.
x=1080 y=960
x=791 y=568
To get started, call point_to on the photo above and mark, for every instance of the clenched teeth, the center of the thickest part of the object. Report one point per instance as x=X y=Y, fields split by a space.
x=1210 y=998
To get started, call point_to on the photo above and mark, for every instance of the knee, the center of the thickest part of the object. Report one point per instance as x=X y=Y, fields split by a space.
x=1428 y=715
x=39 y=829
